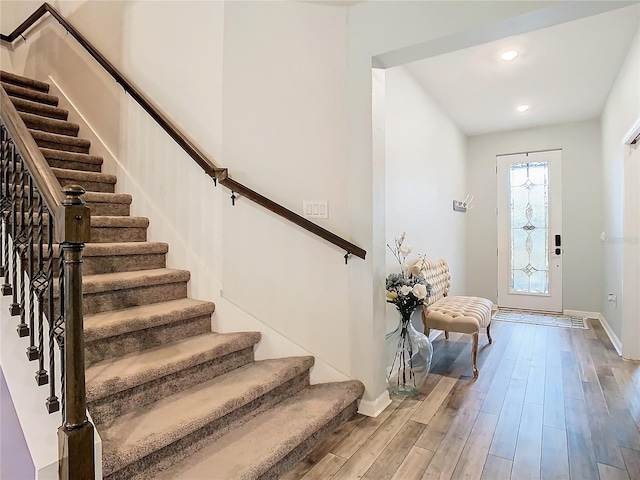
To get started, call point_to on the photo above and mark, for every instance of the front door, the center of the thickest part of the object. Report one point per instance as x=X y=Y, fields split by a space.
x=530 y=231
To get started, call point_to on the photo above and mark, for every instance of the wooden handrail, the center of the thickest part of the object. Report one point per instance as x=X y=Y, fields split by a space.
x=43 y=177
x=218 y=174
x=292 y=217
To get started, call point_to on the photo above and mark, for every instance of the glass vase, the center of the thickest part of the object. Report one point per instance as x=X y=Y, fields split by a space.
x=409 y=354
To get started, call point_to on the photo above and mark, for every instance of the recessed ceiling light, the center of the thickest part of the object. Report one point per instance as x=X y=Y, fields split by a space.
x=510 y=55
x=523 y=108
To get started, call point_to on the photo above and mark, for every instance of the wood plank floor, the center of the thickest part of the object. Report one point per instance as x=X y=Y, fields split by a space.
x=550 y=403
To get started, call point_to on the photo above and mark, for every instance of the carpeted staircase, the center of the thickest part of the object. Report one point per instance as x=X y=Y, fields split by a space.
x=170 y=398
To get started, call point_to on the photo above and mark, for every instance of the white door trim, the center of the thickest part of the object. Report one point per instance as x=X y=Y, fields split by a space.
x=551 y=301
x=630 y=335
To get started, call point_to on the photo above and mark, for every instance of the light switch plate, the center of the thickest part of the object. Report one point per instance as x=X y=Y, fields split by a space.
x=315 y=208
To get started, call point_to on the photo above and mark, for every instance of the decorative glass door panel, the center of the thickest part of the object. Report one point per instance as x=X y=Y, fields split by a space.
x=529 y=203
x=529 y=231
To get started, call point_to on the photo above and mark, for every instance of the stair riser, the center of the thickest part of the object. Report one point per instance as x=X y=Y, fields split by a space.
x=39 y=109
x=117 y=263
x=111 y=407
x=97 y=208
x=303 y=449
x=84 y=167
x=132 y=297
x=182 y=448
x=28 y=94
x=109 y=209
x=120 y=345
x=113 y=264
x=87 y=185
x=24 y=82
x=69 y=160
x=122 y=263
x=62 y=146
x=111 y=234
x=50 y=126
x=116 y=234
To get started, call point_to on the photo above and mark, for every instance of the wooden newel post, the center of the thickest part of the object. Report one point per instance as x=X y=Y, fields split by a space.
x=75 y=436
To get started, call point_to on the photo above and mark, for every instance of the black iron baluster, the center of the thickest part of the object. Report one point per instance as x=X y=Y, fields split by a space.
x=32 y=351
x=22 y=243
x=6 y=212
x=53 y=404
x=41 y=375
x=4 y=143
x=15 y=308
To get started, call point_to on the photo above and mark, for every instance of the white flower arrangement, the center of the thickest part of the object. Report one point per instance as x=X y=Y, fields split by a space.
x=406 y=290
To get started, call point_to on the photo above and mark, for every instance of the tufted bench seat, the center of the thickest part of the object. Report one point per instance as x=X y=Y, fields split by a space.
x=452 y=314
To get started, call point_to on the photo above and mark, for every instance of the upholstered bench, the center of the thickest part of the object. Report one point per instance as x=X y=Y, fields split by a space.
x=452 y=314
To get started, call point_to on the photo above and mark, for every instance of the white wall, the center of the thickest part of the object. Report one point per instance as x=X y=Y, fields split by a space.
x=581 y=205
x=425 y=169
x=620 y=112
x=284 y=134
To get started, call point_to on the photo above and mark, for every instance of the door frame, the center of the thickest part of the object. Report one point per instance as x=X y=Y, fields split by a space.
x=630 y=335
x=552 y=302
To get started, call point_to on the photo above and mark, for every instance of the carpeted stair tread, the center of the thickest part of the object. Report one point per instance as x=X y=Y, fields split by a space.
x=124 y=248
x=51 y=154
x=60 y=142
x=102 y=221
x=115 y=375
x=25 y=82
x=119 y=322
x=116 y=249
x=119 y=221
x=105 y=197
x=51 y=125
x=112 y=282
x=108 y=204
x=37 y=108
x=122 y=256
x=106 y=282
x=255 y=447
x=29 y=94
x=90 y=181
x=79 y=176
x=149 y=428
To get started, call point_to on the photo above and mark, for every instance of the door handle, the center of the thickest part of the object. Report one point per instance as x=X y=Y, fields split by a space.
x=558 y=243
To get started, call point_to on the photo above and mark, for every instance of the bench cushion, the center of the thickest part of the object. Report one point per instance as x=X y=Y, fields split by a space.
x=458 y=314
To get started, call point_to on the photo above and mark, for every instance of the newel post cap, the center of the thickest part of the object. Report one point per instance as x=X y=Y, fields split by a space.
x=76 y=217
x=73 y=193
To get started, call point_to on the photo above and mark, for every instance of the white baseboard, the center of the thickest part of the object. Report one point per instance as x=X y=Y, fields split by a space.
x=581 y=313
x=617 y=344
x=373 y=408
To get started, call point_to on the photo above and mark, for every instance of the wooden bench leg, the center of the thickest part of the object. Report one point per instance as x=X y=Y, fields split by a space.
x=475 y=354
x=489 y=333
x=446 y=335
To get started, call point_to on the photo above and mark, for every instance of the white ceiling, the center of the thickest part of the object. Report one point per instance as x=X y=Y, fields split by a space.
x=563 y=72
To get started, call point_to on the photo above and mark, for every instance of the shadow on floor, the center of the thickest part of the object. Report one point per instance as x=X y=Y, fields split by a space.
x=15 y=460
